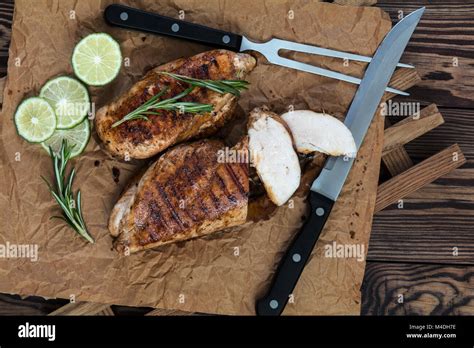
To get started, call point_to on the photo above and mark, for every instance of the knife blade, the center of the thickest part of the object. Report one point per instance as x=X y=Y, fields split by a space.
x=327 y=186
x=136 y=19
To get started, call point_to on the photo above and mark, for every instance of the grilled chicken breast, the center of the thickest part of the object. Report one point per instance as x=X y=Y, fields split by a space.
x=143 y=139
x=190 y=191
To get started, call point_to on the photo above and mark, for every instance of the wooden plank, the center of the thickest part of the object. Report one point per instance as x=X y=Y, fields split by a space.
x=106 y=312
x=397 y=160
x=168 y=312
x=394 y=155
x=457 y=185
x=437 y=218
x=83 y=308
x=428 y=231
x=356 y=2
x=423 y=289
x=6 y=17
x=416 y=177
x=402 y=79
x=2 y=86
x=411 y=128
x=458 y=128
x=441 y=49
x=32 y=305
x=440 y=216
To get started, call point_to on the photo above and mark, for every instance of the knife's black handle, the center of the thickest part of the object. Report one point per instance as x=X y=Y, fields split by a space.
x=293 y=262
x=132 y=18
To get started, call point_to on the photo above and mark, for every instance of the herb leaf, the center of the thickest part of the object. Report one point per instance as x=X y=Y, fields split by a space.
x=220 y=86
x=63 y=194
x=172 y=104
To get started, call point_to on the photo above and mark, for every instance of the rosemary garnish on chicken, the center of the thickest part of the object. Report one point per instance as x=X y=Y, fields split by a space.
x=220 y=86
x=173 y=104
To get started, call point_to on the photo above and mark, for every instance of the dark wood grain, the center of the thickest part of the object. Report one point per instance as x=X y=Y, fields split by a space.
x=458 y=127
x=440 y=216
x=15 y=305
x=444 y=34
x=430 y=232
x=6 y=17
x=410 y=128
x=422 y=290
x=419 y=175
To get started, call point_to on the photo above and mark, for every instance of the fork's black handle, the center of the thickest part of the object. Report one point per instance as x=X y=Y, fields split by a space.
x=132 y=18
x=293 y=262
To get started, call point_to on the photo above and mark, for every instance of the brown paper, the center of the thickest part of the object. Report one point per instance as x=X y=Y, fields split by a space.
x=221 y=273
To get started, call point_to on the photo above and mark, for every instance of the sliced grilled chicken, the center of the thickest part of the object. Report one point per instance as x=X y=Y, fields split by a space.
x=316 y=132
x=273 y=156
x=189 y=191
x=141 y=138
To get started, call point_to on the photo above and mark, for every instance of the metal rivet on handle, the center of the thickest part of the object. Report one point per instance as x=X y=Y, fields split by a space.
x=320 y=212
x=124 y=16
x=296 y=257
x=175 y=27
x=226 y=39
x=273 y=304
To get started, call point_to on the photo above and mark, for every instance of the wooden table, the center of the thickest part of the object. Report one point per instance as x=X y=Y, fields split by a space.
x=413 y=267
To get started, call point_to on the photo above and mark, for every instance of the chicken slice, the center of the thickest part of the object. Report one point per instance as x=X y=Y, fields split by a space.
x=315 y=132
x=273 y=156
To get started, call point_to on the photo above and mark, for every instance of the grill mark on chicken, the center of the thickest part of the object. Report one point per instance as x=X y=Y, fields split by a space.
x=244 y=167
x=212 y=191
x=155 y=216
x=232 y=190
x=172 y=211
x=208 y=198
x=234 y=179
x=177 y=181
x=222 y=187
x=181 y=198
x=143 y=139
x=201 y=172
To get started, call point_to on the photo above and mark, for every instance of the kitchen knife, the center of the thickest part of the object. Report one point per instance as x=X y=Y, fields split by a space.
x=132 y=18
x=327 y=186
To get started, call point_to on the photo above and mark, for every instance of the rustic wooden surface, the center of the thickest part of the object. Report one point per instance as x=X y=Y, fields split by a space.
x=416 y=177
x=417 y=289
x=411 y=128
x=412 y=250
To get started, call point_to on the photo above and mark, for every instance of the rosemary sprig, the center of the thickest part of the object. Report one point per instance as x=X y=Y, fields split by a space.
x=63 y=194
x=151 y=105
x=220 y=86
x=172 y=104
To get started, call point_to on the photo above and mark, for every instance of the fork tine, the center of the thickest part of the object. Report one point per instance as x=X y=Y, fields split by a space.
x=289 y=63
x=298 y=47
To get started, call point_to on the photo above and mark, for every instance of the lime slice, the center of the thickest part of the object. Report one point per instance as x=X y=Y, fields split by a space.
x=35 y=120
x=97 y=59
x=77 y=136
x=69 y=99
